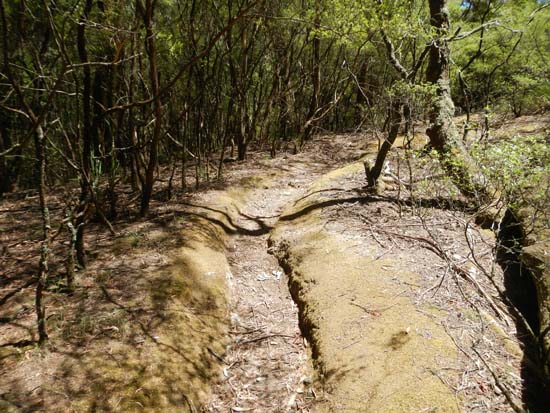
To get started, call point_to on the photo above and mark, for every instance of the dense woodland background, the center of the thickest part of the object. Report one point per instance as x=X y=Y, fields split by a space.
x=97 y=95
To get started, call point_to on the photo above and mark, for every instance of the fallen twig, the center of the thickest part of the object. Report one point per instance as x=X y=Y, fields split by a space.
x=253 y=340
x=509 y=397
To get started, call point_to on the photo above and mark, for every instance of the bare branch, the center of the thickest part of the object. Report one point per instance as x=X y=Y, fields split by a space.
x=9 y=150
x=393 y=58
x=496 y=23
x=108 y=64
x=420 y=60
x=14 y=110
x=484 y=26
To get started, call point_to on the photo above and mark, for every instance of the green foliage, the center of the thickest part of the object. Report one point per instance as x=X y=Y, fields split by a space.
x=519 y=168
x=505 y=65
x=416 y=95
x=256 y=82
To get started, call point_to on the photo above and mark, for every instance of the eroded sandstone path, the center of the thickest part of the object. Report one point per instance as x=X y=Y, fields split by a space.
x=396 y=324
x=403 y=314
x=267 y=366
x=267 y=361
x=399 y=310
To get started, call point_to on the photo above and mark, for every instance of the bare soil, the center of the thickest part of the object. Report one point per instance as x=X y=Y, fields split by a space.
x=150 y=321
x=403 y=297
x=399 y=296
x=267 y=364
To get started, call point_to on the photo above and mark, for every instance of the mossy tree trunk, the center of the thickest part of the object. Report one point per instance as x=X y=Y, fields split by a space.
x=443 y=134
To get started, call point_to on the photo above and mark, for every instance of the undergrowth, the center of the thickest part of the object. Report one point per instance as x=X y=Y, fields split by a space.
x=519 y=168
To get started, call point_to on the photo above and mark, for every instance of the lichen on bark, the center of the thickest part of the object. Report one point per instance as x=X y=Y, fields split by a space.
x=443 y=134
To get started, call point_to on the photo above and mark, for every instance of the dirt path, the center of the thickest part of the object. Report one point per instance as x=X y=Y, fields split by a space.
x=155 y=327
x=267 y=360
x=267 y=366
x=372 y=291
x=401 y=301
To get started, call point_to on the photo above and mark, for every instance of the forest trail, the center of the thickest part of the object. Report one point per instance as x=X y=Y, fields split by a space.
x=266 y=360
x=401 y=314
x=142 y=271
x=189 y=309
x=267 y=366
x=148 y=328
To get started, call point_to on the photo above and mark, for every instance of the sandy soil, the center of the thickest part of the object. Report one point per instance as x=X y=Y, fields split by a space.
x=268 y=368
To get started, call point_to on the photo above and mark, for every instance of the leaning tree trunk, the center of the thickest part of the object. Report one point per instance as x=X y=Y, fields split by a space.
x=373 y=171
x=443 y=134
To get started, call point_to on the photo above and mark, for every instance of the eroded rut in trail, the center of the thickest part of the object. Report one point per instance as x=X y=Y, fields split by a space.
x=266 y=365
x=267 y=362
x=396 y=324
x=402 y=314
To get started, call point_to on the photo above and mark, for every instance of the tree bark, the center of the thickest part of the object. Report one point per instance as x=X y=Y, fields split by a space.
x=86 y=137
x=242 y=137
x=443 y=134
x=9 y=168
x=45 y=244
x=154 y=79
x=395 y=119
x=315 y=77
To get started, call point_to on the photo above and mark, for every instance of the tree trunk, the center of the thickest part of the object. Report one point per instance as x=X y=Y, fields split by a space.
x=70 y=264
x=443 y=134
x=395 y=119
x=362 y=99
x=86 y=134
x=315 y=77
x=45 y=244
x=154 y=79
x=242 y=136
x=9 y=168
x=241 y=144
